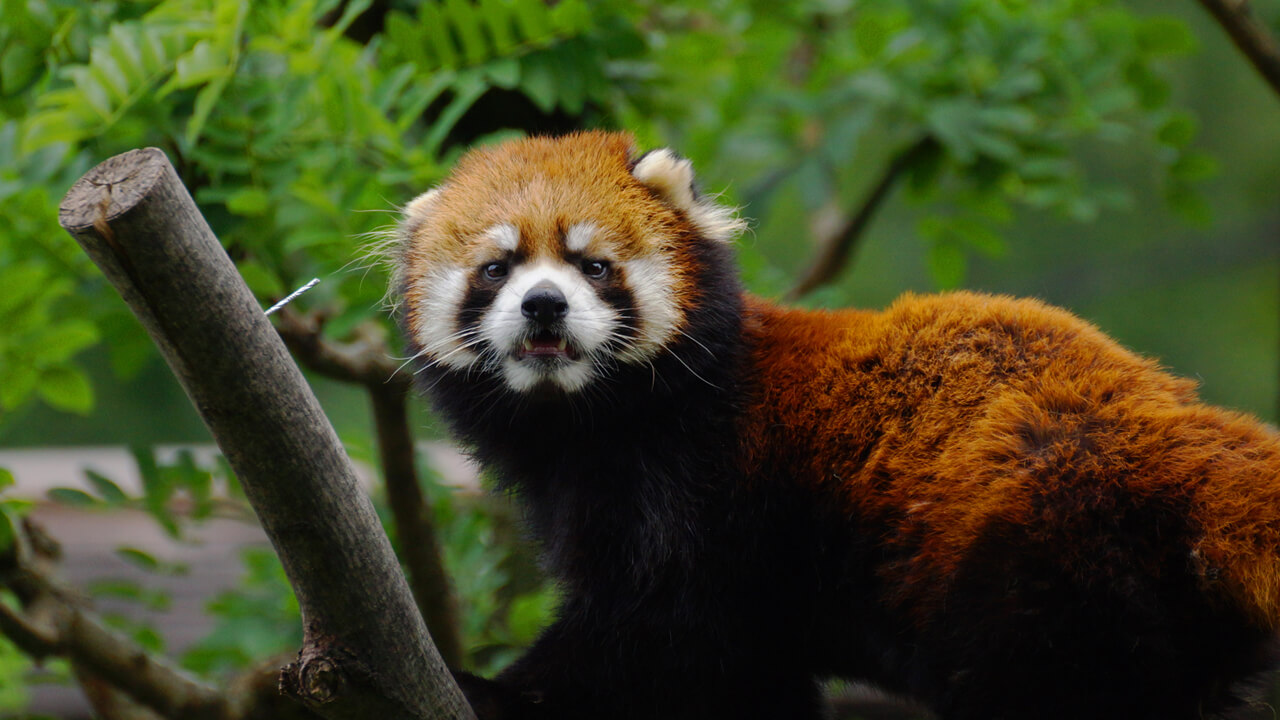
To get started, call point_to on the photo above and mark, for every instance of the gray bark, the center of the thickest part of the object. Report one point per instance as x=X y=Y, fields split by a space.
x=366 y=653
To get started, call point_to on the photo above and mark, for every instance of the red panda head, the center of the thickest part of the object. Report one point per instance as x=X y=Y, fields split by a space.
x=549 y=261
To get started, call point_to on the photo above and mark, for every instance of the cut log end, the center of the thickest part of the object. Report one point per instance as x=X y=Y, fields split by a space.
x=112 y=188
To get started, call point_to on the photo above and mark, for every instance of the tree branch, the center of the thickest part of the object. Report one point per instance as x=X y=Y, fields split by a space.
x=834 y=251
x=366 y=361
x=1252 y=39
x=366 y=650
x=52 y=622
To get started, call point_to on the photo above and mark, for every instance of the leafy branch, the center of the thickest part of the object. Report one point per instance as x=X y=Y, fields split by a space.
x=836 y=249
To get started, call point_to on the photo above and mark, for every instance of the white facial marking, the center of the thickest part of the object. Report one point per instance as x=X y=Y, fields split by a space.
x=505 y=236
x=442 y=290
x=579 y=236
x=587 y=326
x=650 y=282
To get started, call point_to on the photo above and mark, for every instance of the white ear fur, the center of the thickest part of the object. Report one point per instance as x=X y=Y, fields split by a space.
x=388 y=246
x=671 y=177
x=418 y=208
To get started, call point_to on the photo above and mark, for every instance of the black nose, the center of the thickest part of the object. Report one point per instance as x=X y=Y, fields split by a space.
x=544 y=303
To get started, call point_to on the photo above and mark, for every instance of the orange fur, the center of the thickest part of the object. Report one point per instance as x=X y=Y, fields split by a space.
x=948 y=418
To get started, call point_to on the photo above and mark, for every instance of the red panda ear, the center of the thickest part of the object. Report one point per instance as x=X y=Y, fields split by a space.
x=419 y=208
x=670 y=177
x=389 y=248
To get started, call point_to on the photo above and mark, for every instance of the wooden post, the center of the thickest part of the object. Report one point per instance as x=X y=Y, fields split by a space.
x=366 y=652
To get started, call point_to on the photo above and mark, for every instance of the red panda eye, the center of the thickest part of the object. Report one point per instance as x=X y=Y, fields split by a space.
x=495 y=270
x=595 y=269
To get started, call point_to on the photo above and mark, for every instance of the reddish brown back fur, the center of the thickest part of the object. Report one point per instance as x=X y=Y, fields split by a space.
x=971 y=413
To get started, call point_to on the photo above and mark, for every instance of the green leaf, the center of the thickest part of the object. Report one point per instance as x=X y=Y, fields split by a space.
x=199 y=65
x=108 y=73
x=1193 y=167
x=263 y=282
x=1178 y=131
x=19 y=67
x=570 y=17
x=503 y=72
x=249 y=201
x=947 y=264
x=206 y=98
x=138 y=558
x=122 y=589
x=66 y=388
x=1166 y=35
x=466 y=24
x=19 y=382
x=466 y=93
x=954 y=124
x=529 y=614
x=8 y=533
x=59 y=342
x=433 y=22
x=979 y=236
x=1188 y=202
x=6 y=479
x=149 y=639
x=538 y=80
x=871 y=34
x=568 y=59
x=126 y=52
x=93 y=93
x=531 y=15
x=107 y=490
x=72 y=497
x=497 y=17
x=157 y=488
x=46 y=128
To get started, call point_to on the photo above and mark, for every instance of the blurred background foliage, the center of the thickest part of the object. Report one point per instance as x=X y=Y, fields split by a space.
x=1117 y=158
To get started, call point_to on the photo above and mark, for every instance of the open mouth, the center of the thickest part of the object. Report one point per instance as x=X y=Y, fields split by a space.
x=546 y=346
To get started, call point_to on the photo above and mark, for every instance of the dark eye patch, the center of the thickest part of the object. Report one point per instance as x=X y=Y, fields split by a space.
x=614 y=292
x=480 y=294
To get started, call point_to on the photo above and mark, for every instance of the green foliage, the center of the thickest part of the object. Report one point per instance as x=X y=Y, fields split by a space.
x=499 y=619
x=258 y=619
x=1012 y=95
x=13 y=666
x=175 y=493
x=12 y=510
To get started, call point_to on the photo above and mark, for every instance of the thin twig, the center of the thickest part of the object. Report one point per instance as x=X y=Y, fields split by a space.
x=834 y=252
x=364 y=361
x=1252 y=39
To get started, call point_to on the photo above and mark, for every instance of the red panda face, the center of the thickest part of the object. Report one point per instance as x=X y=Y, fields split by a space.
x=548 y=262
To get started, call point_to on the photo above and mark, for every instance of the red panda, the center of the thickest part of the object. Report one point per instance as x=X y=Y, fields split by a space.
x=980 y=502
